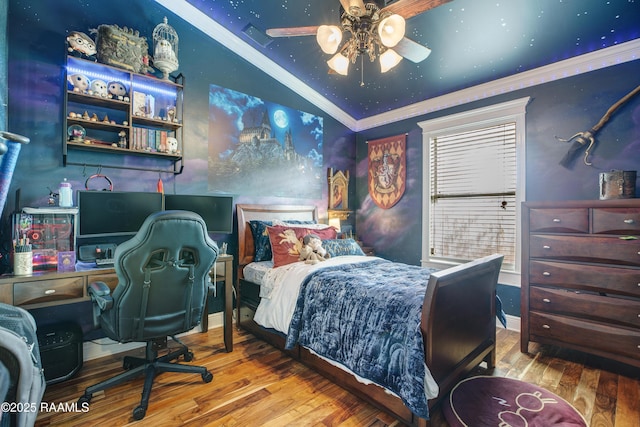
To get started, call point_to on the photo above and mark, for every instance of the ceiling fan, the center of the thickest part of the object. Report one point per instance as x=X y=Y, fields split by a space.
x=376 y=29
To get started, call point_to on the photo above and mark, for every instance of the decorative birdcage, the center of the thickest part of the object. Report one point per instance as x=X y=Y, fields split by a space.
x=165 y=48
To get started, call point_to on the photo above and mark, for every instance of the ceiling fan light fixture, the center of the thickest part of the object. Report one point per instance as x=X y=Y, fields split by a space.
x=388 y=60
x=355 y=8
x=391 y=30
x=329 y=38
x=339 y=63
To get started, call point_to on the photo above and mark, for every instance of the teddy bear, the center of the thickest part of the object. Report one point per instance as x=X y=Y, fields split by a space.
x=312 y=251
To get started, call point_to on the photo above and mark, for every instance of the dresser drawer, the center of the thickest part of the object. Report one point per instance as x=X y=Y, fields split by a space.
x=559 y=220
x=614 y=280
x=616 y=220
x=611 y=250
x=625 y=312
x=591 y=335
x=44 y=291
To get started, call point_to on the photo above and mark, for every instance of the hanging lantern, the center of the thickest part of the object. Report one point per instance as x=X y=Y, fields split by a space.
x=165 y=49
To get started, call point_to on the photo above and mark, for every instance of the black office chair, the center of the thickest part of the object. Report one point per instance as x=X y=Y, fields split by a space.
x=163 y=283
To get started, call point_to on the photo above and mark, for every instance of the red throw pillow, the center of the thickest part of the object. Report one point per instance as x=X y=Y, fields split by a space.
x=286 y=241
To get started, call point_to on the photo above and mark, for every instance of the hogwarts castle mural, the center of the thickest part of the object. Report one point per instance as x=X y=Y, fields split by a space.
x=263 y=149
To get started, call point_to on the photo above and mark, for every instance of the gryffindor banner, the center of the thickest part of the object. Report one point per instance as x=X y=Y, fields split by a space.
x=387 y=170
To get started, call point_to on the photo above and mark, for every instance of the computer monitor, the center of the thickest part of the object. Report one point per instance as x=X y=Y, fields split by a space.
x=114 y=213
x=215 y=210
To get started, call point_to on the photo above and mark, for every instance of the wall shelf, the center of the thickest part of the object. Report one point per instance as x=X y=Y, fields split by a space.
x=142 y=122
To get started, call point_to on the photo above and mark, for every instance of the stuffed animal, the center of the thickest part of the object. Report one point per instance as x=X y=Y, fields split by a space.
x=172 y=145
x=99 y=88
x=79 y=83
x=117 y=91
x=312 y=251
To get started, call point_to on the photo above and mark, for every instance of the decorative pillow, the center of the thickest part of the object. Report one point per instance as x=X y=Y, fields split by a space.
x=262 y=248
x=286 y=241
x=337 y=247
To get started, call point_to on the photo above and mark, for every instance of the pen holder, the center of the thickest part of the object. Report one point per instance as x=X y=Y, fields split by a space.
x=23 y=263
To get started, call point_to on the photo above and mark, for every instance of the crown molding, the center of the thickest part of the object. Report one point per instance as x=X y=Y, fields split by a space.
x=603 y=58
x=232 y=42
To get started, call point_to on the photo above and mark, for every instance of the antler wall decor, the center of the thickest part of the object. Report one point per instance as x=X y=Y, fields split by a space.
x=587 y=138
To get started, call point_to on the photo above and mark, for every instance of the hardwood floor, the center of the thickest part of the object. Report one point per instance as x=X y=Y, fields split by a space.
x=257 y=385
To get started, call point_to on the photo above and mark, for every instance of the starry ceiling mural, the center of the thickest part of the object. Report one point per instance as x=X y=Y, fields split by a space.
x=472 y=42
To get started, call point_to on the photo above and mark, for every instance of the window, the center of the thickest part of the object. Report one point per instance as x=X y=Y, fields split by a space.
x=473 y=169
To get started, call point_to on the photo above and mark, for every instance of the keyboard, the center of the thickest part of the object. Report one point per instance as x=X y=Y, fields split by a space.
x=103 y=262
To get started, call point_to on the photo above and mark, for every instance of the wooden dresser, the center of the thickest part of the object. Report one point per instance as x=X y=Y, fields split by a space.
x=581 y=276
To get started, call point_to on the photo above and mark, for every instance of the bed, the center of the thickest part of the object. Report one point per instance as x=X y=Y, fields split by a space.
x=455 y=317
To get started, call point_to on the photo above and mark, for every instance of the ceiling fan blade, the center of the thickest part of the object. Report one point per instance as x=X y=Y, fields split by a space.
x=411 y=50
x=353 y=7
x=410 y=8
x=292 y=31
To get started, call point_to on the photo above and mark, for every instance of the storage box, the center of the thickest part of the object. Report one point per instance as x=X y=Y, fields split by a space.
x=49 y=231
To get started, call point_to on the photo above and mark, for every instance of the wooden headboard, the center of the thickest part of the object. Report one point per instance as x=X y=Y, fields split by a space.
x=246 y=213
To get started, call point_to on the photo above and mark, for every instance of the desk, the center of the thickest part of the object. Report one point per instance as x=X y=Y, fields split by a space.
x=223 y=270
x=51 y=288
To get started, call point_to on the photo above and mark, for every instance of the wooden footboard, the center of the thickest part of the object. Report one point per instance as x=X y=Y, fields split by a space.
x=458 y=319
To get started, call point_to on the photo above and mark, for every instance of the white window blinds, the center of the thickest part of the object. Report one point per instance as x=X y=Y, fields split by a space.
x=472 y=206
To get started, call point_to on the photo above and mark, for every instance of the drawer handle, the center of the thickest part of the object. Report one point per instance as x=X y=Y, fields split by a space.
x=549 y=247
x=556 y=219
x=50 y=292
x=547 y=300
x=549 y=327
x=629 y=221
x=546 y=273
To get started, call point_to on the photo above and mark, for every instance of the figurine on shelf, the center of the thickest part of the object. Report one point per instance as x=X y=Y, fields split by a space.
x=171 y=114
x=76 y=133
x=81 y=45
x=117 y=91
x=99 y=88
x=172 y=145
x=165 y=53
x=122 y=143
x=79 y=83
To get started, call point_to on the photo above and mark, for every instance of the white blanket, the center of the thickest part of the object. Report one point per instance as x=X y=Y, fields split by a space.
x=281 y=286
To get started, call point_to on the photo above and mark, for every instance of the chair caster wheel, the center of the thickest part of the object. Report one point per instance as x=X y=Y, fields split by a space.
x=85 y=398
x=207 y=377
x=188 y=356
x=139 y=412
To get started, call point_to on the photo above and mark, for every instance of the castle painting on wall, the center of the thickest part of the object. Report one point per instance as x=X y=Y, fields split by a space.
x=260 y=148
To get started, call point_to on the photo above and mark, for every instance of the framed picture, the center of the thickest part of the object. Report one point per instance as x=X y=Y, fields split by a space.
x=338 y=189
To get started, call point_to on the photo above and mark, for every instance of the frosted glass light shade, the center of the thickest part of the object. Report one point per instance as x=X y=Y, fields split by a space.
x=391 y=30
x=339 y=63
x=329 y=38
x=388 y=60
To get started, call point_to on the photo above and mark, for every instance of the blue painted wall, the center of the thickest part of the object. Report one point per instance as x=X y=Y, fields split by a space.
x=36 y=32
x=560 y=108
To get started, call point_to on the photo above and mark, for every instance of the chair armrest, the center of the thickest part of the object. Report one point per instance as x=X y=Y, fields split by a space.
x=101 y=295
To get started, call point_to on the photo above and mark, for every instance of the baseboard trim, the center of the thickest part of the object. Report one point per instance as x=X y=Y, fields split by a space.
x=107 y=347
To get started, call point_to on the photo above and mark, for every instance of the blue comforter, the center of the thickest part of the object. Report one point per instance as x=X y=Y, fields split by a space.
x=366 y=316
